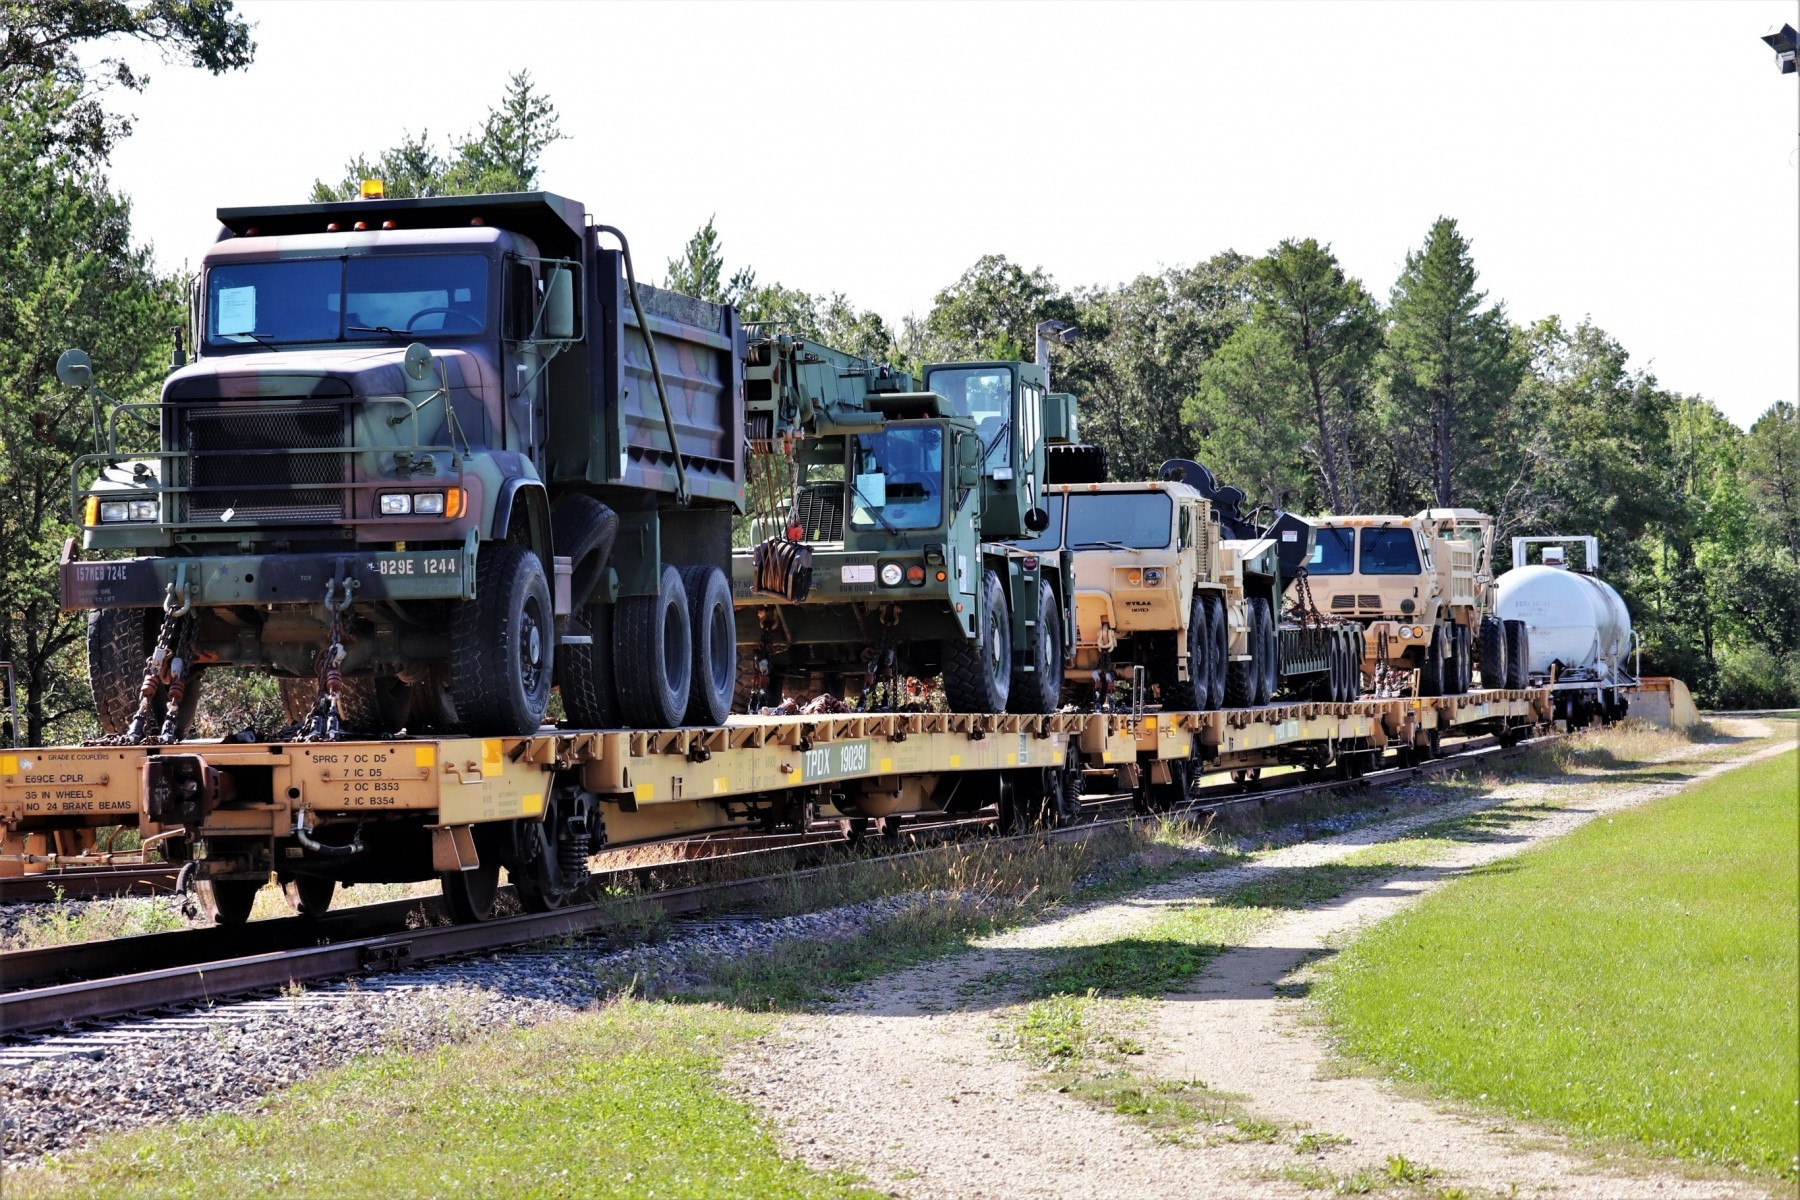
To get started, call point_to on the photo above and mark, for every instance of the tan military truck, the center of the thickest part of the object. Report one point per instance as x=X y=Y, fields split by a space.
x=1159 y=587
x=1422 y=586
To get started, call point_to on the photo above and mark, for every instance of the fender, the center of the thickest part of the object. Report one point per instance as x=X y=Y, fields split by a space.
x=521 y=493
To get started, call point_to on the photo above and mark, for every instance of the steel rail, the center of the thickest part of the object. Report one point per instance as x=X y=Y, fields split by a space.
x=63 y=1005
x=90 y=883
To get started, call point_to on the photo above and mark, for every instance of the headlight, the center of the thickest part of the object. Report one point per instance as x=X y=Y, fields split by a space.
x=892 y=574
x=429 y=504
x=395 y=504
x=1153 y=576
x=1405 y=631
x=129 y=510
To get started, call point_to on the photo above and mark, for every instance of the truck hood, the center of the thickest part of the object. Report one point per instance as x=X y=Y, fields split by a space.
x=335 y=374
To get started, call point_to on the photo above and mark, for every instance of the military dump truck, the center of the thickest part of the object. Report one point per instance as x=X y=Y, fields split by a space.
x=431 y=457
x=885 y=547
x=1171 y=579
x=1422 y=586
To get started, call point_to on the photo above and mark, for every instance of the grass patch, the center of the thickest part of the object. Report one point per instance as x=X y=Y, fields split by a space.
x=68 y=921
x=624 y=1102
x=1635 y=980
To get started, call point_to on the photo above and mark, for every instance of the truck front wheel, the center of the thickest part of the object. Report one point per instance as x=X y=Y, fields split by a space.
x=978 y=670
x=1041 y=690
x=503 y=645
x=119 y=641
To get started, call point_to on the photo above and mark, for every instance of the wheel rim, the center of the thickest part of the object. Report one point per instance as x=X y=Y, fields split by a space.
x=531 y=646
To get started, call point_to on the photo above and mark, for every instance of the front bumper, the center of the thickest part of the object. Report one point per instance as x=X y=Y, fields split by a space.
x=216 y=581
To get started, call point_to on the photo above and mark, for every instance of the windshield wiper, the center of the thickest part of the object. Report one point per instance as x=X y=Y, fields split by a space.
x=1100 y=546
x=373 y=329
x=874 y=510
x=261 y=339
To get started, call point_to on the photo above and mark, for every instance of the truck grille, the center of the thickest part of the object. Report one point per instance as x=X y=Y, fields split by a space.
x=261 y=486
x=819 y=511
x=1352 y=603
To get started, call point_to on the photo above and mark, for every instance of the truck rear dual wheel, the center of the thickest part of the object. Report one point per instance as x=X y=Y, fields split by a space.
x=1458 y=683
x=978 y=670
x=503 y=645
x=1040 y=690
x=1265 y=648
x=713 y=631
x=653 y=654
x=585 y=673
x=1218 y=632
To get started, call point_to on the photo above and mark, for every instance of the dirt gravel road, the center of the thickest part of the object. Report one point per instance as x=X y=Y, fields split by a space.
x=908 y=1083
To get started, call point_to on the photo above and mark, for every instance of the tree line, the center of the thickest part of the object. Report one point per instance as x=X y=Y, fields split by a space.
x=1279 y=370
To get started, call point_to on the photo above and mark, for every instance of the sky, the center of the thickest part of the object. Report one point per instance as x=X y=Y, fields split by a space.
x=1636 y=164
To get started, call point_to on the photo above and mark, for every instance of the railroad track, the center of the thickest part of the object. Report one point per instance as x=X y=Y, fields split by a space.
x=90 y=883
x=159 y=972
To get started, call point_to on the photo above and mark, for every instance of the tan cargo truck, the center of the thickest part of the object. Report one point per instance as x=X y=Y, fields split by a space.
x=1422 y=586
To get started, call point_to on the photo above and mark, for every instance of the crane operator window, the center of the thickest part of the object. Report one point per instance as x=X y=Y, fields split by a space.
x=986 y=394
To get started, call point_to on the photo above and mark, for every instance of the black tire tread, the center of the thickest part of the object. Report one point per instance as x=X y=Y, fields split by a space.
x=646 y=699
x=968 y=685
x=118 y=643
x=1040 y=691
x=480 y=657
x=705 y=706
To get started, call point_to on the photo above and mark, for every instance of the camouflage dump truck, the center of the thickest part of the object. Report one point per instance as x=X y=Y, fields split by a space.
x=1172 y=579
x=886 y=548
x=430 y=458
x=1422 y=587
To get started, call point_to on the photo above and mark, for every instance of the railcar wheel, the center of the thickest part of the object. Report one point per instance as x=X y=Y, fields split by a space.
x=227 y=901
x=307 y=895
x=1041 y=690
x=503 y=645
x=978 y=670
x=714 y=634
x=1164 y=797
x=653 y=654
x=469 y=895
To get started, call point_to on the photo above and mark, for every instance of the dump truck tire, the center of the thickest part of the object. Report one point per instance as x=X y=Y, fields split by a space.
x=978 y=670
x=584 y=530
x=585 y=673
x=653 y=654
x=503 y=645
x=1495 y=670
x=118 y=643
x=1040 y=691
x=713 y=631
x=1266 y=678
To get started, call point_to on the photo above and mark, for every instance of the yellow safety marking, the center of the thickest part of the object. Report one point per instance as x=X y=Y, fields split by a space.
x=955 y=761
x=887 y=765
x=1012 y=760
x=9 y=764
x=531 y=805
x=721 y=783
x=644 y=791
x=1149 y=722
x=793 y=776
x=424 y=756
x=490 y=754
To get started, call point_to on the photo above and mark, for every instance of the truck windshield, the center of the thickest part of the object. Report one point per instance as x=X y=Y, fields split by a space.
x=339 y=299
x=1333 y=552
x=1120 y=520
x=1389 y=552
x=897 y=479
x=1051 y=538
x=984 y=393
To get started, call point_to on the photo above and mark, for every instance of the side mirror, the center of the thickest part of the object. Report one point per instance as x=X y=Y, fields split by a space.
x=417 y=362
x=559 y=305
x=1037 y=520
x=968 y=450
x=75 y=369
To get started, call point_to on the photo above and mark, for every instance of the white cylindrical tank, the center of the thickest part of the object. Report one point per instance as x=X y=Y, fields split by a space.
x=1574 y=619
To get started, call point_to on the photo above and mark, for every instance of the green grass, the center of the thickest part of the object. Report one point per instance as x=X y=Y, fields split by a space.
x=623 y=1102
x=1635 y=980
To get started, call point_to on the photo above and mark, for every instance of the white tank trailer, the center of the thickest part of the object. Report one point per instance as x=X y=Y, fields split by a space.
x=1579 y=626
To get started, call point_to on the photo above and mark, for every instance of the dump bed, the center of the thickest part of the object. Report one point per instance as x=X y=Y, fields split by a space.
x=606 y=423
